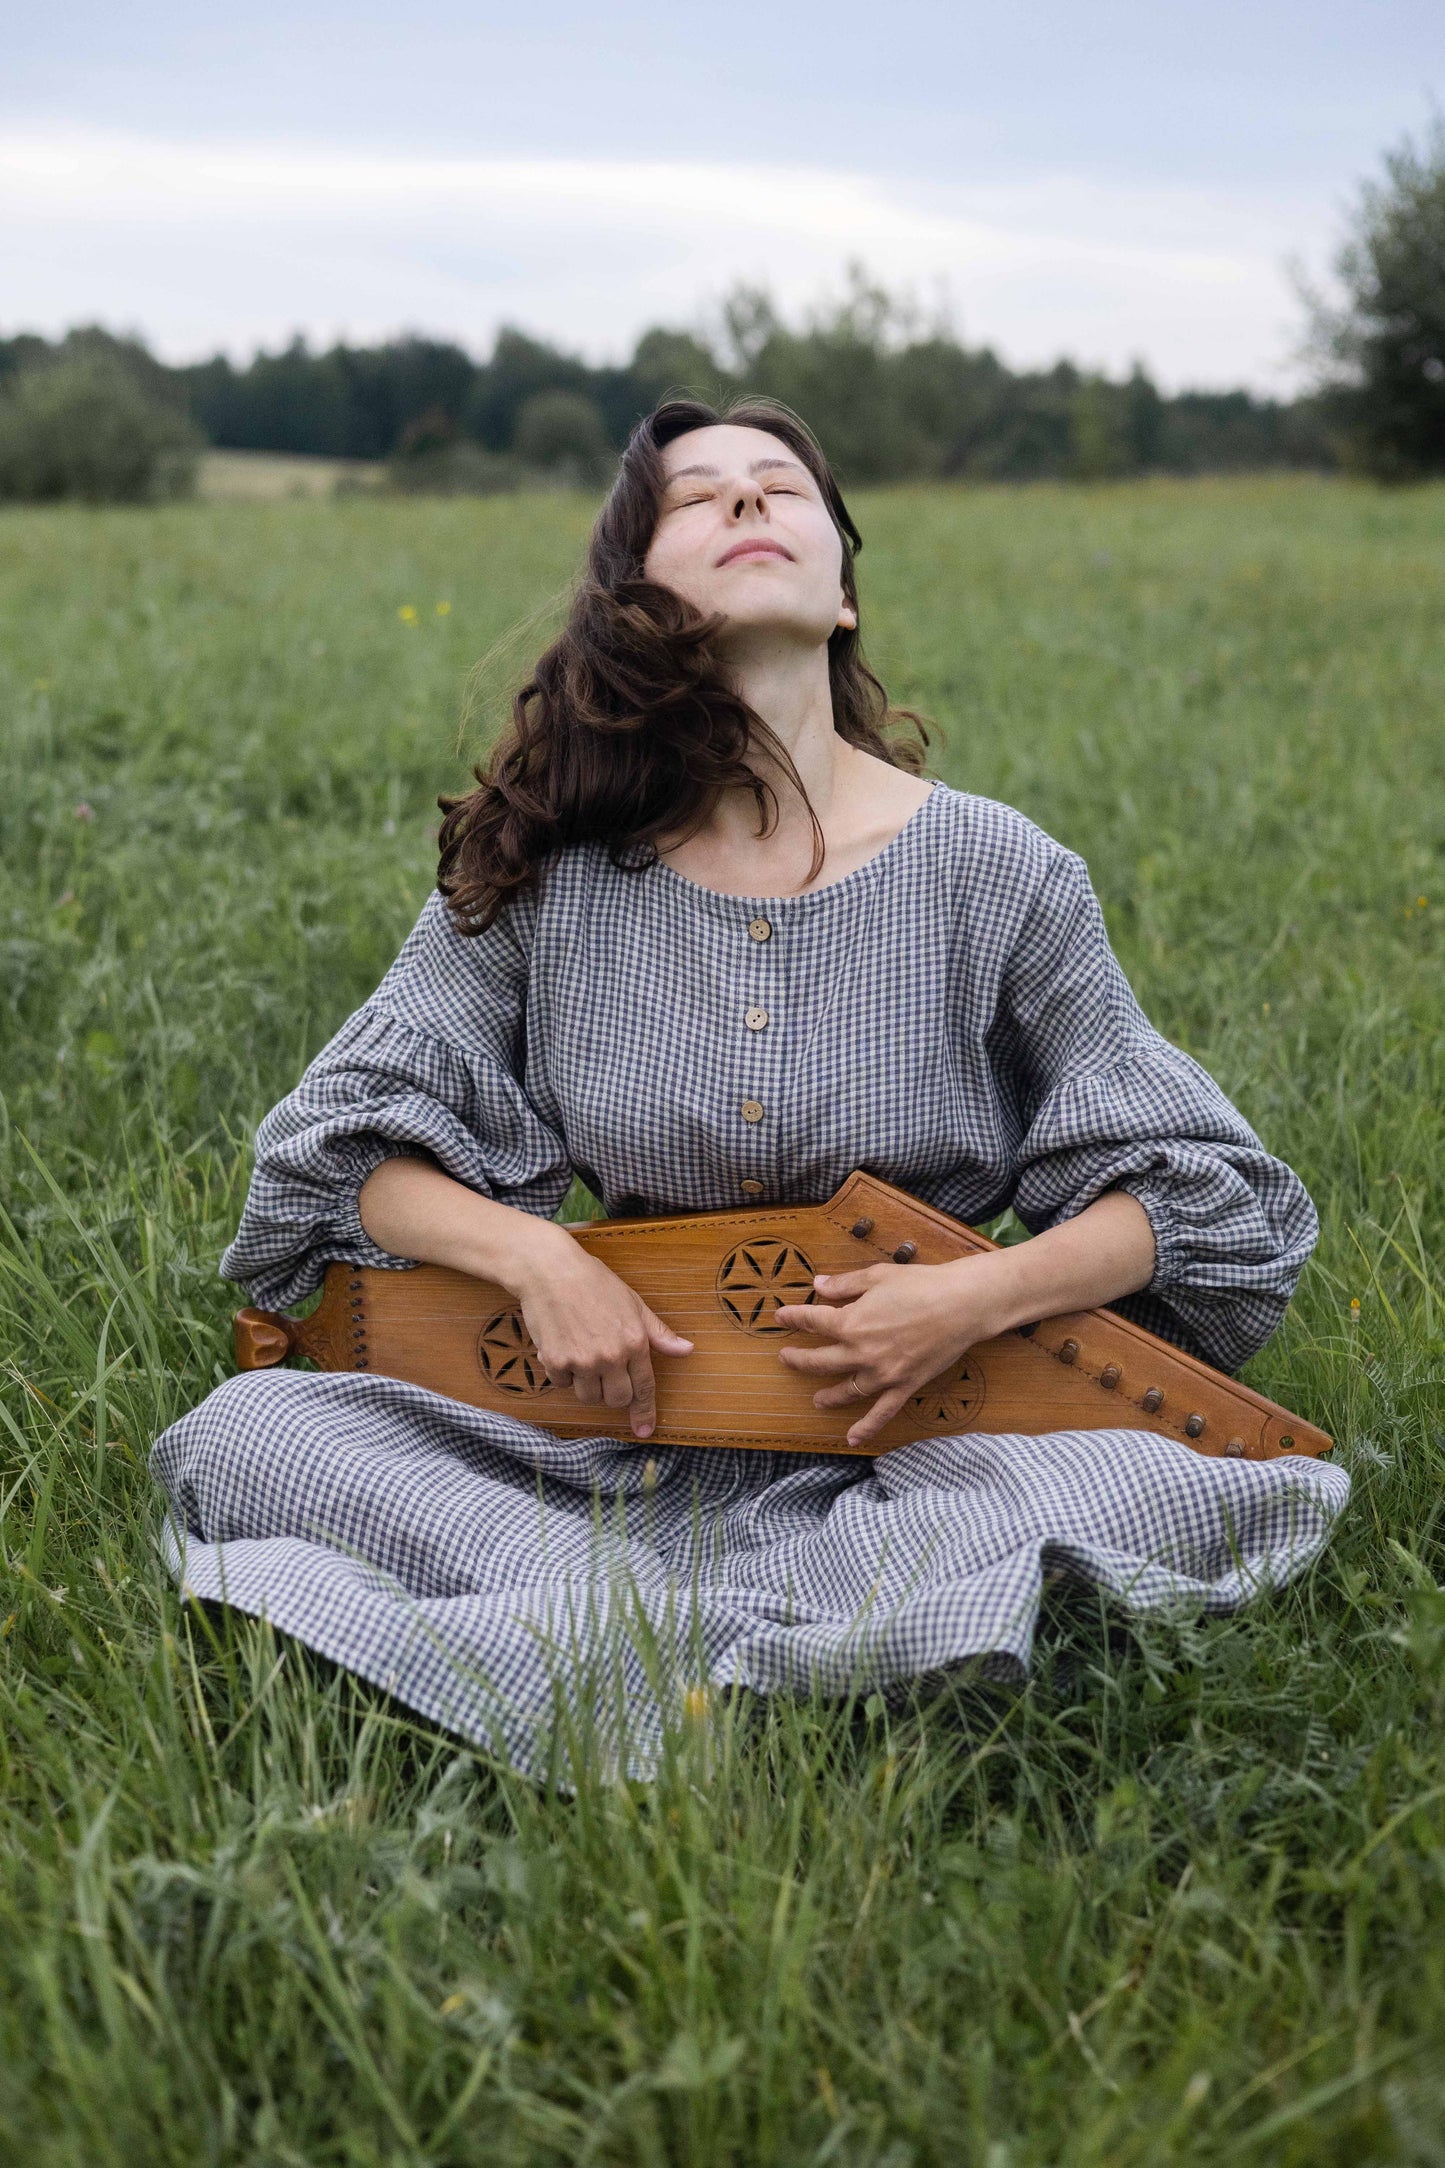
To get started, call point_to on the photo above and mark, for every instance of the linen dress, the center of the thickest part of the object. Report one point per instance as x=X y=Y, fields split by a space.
x=949 y=1016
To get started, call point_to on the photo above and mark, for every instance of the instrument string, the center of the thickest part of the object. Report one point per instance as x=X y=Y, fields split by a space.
x=389 y=1315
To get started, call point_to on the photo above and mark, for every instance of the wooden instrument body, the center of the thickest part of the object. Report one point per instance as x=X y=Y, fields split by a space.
x=718 y=1277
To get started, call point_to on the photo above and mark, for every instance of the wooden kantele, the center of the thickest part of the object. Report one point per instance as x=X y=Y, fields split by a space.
x=718 y=1278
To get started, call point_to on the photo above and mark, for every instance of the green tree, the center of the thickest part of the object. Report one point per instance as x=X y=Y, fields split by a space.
x=1385 y=347
x=1099 y=429
x=675 y=361
x=84 y=426
x=562 y=433
x=520 y=369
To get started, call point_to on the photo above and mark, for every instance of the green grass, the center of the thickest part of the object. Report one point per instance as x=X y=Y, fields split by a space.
x=1181 y=1899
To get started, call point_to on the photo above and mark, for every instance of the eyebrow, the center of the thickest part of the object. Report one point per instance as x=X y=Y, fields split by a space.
x=759 y=466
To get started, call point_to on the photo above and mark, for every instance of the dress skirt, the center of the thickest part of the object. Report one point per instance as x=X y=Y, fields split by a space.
x=497 y=1579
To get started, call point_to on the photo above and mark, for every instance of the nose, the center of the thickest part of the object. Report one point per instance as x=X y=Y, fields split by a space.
x=746 y=497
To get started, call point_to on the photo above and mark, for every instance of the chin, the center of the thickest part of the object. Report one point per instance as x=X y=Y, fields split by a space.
x=788 y=630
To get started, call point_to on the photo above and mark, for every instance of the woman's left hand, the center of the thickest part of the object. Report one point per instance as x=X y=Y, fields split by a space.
x=889 y=1329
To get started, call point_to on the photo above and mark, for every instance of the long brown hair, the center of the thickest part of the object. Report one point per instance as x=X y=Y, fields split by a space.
x=627 y=729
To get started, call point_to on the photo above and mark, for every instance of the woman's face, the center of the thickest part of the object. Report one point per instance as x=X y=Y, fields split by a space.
x=743 y=533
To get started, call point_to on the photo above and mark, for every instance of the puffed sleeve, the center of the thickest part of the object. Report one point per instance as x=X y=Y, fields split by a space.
x=430 y=1067
x=1108 y=1103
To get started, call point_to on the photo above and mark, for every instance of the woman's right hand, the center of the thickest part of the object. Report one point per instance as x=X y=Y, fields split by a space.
x=590 y=1330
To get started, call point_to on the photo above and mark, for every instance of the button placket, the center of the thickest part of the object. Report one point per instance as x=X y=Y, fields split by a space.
x=756 y=1144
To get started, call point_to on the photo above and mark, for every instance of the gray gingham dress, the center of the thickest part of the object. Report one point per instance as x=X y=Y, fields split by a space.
x=949 y=1016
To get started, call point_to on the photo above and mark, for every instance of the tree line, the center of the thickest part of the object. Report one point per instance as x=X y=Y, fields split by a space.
x=891 y=401
x=891 y=397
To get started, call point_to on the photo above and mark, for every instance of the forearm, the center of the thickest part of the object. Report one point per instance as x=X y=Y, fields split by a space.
x=1105 y=1252
x=412 y=1209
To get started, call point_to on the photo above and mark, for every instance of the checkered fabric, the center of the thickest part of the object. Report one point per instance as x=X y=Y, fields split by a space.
x=949 y=1016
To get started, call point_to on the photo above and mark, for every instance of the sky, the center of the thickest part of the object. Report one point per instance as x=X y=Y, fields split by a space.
x=1111 y=181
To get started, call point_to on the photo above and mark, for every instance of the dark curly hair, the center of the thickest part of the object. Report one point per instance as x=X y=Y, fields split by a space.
x=627 y=729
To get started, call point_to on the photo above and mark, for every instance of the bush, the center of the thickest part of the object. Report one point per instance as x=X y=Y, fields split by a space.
x=563 y=434
x=86 y=428
x=456 y=469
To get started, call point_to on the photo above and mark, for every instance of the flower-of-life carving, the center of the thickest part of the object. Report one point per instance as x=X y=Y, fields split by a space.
x=755 y=1277
x=507 y=1355
x=951 y=1402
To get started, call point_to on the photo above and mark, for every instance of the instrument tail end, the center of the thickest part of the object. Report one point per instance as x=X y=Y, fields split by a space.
x=263 y=1339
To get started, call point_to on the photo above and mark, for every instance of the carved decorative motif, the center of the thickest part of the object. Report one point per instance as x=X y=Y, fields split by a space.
x=950 y=1403
x=506 y=1355
x=756 y=1276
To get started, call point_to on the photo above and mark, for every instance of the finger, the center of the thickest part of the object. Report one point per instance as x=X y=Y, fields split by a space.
x=644 y=1397
x=587 y=1385
x=662 y=1336
x=882 y=1412
x=813 y=1317
x=847 y=1286
x=819 y=1361
x=842 y=1395
x=617 y=1386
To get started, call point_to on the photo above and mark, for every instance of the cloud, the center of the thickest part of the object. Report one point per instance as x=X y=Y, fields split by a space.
x=201 y=246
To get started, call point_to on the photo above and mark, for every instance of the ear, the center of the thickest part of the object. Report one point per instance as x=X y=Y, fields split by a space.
x=847 y=617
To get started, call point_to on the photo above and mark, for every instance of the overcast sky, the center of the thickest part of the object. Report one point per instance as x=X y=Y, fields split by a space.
x=1106 y=180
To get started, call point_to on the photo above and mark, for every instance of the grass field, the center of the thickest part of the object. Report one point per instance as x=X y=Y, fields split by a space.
x=1181 y=1899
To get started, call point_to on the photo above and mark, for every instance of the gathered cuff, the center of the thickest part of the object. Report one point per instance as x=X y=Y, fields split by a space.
x=346 y=1235
x=1171 y=1249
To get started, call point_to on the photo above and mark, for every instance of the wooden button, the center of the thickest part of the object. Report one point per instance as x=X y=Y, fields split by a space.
x=1235 y=1448
x=756 y=1019
x=750 y=1188
x=1194 y=1426
x=1153 y=1401
x=760 y=929
x=752 y=1110
x=1069 y=1352
x=1109 y=1376
x=905 y=1253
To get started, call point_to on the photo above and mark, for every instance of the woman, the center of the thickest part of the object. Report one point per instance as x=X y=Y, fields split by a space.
x=704 y=935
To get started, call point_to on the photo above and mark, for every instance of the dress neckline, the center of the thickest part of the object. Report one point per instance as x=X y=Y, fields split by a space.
x=726 y=896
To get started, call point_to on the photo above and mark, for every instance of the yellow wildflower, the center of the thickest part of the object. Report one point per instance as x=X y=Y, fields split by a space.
x=444 y=609
x=408 y=613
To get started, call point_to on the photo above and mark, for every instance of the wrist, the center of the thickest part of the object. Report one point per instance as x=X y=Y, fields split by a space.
x=535 y=1250
x=993 y=1293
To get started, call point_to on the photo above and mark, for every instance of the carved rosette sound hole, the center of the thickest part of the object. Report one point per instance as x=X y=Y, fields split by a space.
x=507 y=1357
x=756 y=1276
x=950 y=1403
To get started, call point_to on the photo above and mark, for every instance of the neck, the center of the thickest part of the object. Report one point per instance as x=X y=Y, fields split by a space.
x=790 y=690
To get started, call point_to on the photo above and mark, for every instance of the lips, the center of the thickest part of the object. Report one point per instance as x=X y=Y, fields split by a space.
x=754 y=549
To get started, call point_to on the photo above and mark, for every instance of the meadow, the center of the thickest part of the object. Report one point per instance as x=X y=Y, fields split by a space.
x=1182 y=1898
